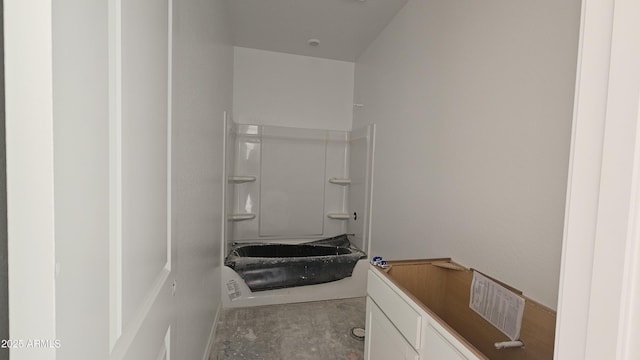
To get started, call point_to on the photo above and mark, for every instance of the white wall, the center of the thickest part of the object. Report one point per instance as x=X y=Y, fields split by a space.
x=203 y=65
x=203 y=68
x=281 y=89
x=472 y=103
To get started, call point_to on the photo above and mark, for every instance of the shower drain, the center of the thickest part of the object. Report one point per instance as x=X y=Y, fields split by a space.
x=357 y=333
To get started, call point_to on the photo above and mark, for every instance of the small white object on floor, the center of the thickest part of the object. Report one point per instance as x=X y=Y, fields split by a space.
x=357 y=333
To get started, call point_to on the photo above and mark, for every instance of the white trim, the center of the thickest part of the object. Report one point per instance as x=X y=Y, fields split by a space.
x=30 y=174
x=624 y=107
x=615 y=207
x=371 y=153
x=133 y=326
x=165 y=349
x=115 y=172
x=167 y=342
x=212 y=334
x=584 y=179
x=628 y=346
x=223 y=218
x=169 y=131
x=598 y=284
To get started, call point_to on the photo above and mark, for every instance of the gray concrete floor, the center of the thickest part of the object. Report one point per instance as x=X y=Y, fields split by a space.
x=303 y=331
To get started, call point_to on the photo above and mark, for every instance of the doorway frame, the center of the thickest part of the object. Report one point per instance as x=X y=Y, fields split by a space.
x=30 y=196
x=592 y=246
x=4 y=270
x=598 y=308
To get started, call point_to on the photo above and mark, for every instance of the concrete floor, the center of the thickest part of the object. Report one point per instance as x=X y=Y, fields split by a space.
x=303 y=331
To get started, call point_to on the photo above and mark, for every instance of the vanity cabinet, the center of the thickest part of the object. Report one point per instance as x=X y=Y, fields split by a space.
x=419 y=310
x=398 y=328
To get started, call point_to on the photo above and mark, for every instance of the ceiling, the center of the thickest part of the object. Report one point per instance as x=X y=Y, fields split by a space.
x=344 y=27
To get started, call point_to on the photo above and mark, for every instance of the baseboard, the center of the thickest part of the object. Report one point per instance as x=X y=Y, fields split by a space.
x=212 y=334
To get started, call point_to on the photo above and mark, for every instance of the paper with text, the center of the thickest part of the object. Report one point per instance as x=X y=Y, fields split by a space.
x=497 y=304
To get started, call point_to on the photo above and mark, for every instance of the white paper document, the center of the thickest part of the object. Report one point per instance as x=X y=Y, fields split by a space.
x=497 y=304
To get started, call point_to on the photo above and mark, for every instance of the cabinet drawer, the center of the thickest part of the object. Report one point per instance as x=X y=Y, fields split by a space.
x=402 y=315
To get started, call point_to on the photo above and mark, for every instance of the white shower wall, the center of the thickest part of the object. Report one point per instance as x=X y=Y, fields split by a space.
x=288 y=195
x=289 y=184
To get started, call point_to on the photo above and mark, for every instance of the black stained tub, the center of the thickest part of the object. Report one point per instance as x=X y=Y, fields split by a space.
x=267 y=266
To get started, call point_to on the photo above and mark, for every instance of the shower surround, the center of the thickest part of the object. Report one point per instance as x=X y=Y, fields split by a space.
x=292 y=185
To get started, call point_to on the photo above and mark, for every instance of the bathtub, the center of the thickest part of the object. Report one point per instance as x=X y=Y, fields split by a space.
x=276 y=273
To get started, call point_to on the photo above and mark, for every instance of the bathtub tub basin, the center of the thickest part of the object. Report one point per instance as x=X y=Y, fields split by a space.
x=268 y=266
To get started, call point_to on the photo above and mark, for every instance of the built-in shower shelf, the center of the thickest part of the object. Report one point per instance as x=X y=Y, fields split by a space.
x=340 y=181
x=338 y=216
x=241 y=217
x=241 y=179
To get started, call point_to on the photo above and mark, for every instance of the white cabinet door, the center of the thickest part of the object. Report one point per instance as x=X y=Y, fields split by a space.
x=142 y=308
x=383 y=341
x=436 y=347
x=403 y=315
